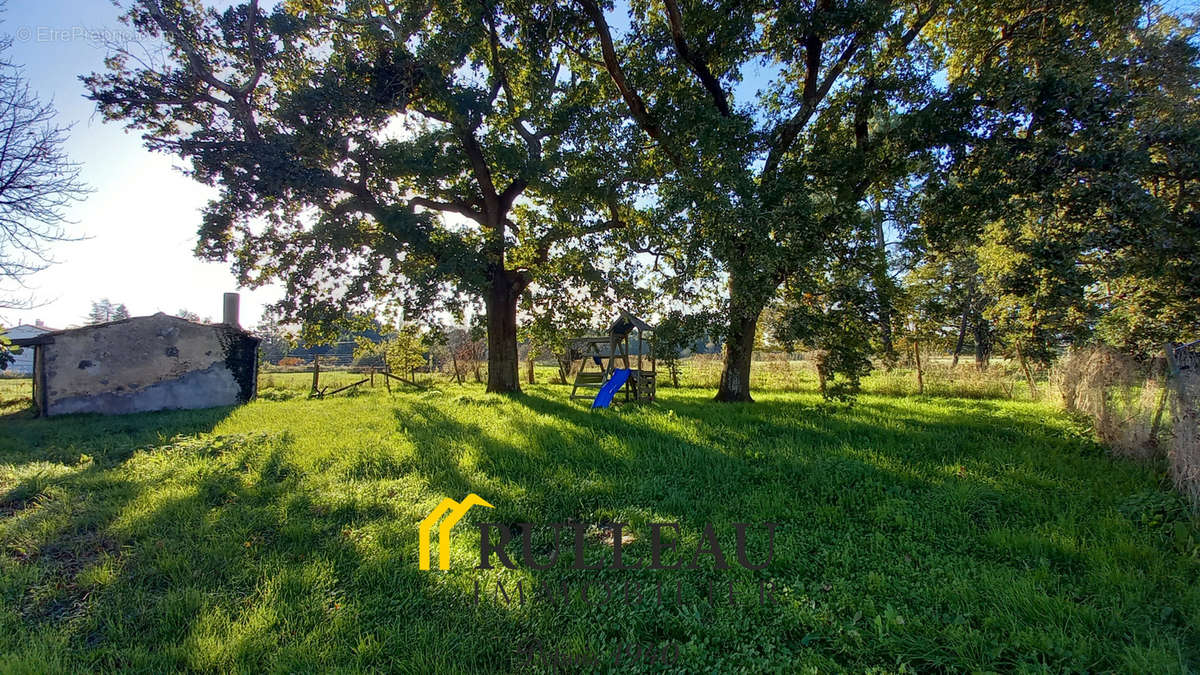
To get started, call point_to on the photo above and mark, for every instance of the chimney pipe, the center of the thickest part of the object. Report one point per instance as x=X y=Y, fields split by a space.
x=230 y=314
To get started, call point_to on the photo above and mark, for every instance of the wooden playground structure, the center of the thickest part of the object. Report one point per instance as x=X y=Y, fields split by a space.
x=609 y=360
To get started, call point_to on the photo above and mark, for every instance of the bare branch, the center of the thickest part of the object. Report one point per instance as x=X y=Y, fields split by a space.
x=38 y=183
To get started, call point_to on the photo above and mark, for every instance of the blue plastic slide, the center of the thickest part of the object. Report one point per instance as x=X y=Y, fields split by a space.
x=610 y=388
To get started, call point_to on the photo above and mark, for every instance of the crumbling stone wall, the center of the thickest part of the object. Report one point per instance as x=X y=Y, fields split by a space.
x=147 y=363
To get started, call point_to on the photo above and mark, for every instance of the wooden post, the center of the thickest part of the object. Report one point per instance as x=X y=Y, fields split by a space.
x=1033 y=392
x=920 y=373
x=372 y=377
x=33 y=386
x=1168 y=366
x=629 y=366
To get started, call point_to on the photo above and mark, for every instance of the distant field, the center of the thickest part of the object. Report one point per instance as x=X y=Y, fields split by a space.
x=1000 y=381
x=926 y=534
x=14 y=394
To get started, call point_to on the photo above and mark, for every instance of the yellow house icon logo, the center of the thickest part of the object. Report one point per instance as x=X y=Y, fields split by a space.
x=454 y=511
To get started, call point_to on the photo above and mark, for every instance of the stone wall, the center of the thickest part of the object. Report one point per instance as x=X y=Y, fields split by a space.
x=146 y=363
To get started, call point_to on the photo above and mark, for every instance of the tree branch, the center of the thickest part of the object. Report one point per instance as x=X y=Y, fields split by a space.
x=555 y=235
x=459 y=207
x=787 y=132
x=693 y=60
x=635 y=103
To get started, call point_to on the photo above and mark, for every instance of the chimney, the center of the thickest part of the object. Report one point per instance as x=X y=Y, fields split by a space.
x=230 y=314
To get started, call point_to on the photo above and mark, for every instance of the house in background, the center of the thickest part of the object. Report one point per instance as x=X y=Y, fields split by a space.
x=23 y=363
x=144 y=363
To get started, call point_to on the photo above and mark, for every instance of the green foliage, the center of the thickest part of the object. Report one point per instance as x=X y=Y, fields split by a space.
x=427 y=155
x=768 y=185
x=676 y=334
x=7 y=350
x=555 y=316
x=1063 y=191
x=943 y=301
x=275 y=341
x=1037 y=160
x=828 y=310
x=833 y=326
x=1155 y=509
x=401 y=351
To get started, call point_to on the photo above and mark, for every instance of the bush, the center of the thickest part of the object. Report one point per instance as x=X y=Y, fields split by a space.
x=1123 y=402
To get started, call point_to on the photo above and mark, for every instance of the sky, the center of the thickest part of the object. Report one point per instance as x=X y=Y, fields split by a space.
x=141 y=218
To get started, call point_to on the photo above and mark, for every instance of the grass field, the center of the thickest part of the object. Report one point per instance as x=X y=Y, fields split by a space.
x=915 y=533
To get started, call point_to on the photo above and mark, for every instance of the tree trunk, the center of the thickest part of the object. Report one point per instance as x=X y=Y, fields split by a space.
x=564 y=366
x=529 y=359
x=962 y=335
x=503 y=363
x=739 y=348
x=1033 y=391
x=454 y=361
x=883 y=296
x=885 y=338
x=316 y=374
x=983 y=343
x=920 y=371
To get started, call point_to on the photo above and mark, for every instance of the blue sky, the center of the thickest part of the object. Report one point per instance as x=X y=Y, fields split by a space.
x=142 y=217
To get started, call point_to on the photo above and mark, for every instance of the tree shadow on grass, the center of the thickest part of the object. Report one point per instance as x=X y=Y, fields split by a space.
x=220 y=553
x=217 y=554
x=104 y=438
x=882 y=491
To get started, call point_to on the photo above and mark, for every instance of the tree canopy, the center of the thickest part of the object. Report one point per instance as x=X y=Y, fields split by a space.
x=1017 y=174
x=413 y=156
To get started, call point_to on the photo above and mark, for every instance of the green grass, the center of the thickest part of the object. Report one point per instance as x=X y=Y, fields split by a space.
x=14 y=394
x=916 y=534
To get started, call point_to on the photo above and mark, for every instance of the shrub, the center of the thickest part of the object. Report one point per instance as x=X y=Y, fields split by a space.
x=1122 y=401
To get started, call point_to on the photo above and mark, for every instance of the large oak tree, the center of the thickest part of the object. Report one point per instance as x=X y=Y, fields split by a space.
x=368 y=153
x=763 y=182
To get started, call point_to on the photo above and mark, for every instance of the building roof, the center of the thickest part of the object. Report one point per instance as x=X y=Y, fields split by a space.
x=48 y=337
x=626 y=321
x=27 y=327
